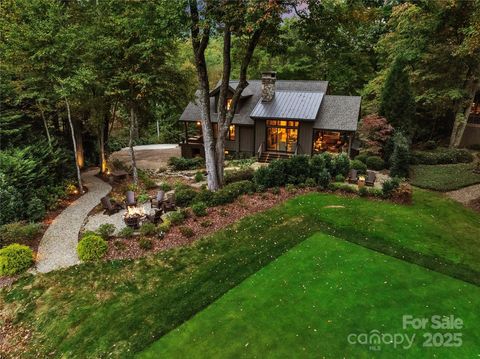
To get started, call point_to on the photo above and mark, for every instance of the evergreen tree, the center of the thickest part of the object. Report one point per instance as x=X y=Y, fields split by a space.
x=397 y=103
x=401 y=156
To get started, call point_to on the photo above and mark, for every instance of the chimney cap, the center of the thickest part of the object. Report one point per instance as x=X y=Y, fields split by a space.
x=272 y=74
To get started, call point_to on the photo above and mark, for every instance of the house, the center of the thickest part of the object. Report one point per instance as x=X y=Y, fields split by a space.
x=278 y=119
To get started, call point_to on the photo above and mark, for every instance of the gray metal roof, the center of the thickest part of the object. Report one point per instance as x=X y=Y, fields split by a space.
x=289 y=105
x=251 y=95
x=338 y=113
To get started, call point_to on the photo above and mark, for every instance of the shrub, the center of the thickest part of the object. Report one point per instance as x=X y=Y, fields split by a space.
x=120 y=245
x=18 y=232
x=36 y=209
x=181 y=163
x=363 y=191
x=186 y=231
x=206 y=223
x=389 y=186
x=290 y=187
x=344 y=187
x=231 y=191
x=199 y=177
x=239 y=175
x=148 y=229
x=164 y=226
x=430 y=145
x=176 y=217
x=339 y=178
x=403 y=194
x=362 y=157
x=126 y=232
x=329 y=162
x=205 y=196
x=359 y=166
x=276 y=190
x=342 y=165
x=14 y=259
x=142 y=198
x=441 y=156
x=199 y=209
x=297 y=169
x=310 y=182
x=106 y=230
x=147 y=181
x=375 y=163
x=374 y=131
x=401 y=156
x=324 y=179
x=184 y=196
x=164 y=186
x=92 y=248
x=375 y=192
x=145 y=244
x=317 y=164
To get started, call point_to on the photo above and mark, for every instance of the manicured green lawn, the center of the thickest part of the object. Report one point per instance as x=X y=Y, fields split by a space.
x=307 y=302
x=444 y=177
x=118 y=308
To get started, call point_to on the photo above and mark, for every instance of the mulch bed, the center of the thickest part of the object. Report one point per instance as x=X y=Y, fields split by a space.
x=219 y=217
x=474 y=204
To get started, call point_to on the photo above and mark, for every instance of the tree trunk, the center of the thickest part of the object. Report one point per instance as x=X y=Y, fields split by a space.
x=80 y=186
x=130 y=144
x=463 y=109
x=46 y=126
x=79 y=140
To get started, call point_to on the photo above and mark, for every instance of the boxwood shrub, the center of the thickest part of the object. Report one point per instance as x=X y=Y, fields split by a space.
x=199 y=209
x=231 y=191
x=375 y=163
x=239 y=175
x=91 y=247
x=184 y=196
x=14 y=259
x=359 y=166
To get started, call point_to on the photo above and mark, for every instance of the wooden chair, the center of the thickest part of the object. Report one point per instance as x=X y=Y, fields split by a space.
x=156 y=217
x=109 y=207
x=371 y=177
x=158 y=200
x=130 y=199
x=353 y=176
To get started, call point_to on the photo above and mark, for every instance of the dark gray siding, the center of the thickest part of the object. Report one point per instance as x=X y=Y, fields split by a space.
x=247 y=136
x=260 y=133
x=305 y=137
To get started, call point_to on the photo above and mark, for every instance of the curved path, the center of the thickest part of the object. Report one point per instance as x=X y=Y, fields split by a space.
x=58 y=247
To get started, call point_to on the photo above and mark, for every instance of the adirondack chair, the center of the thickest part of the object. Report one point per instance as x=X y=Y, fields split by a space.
x=169 y=203
x=353 y=176
x=156 y=217
x=157 y=201
x=109 y=207
x=130 y=199
x=371 y=177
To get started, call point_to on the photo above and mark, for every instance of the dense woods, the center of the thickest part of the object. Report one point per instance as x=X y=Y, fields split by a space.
x=80 y=79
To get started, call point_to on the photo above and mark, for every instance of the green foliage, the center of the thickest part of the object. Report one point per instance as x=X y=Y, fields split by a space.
x=176 y=217
x=126 y=232
x=297 y=169
x=342 y=165
x=231 y=191
x=339 y=178
x=199 y=177
x=18 y=232
x=323 y=179
x=362 y=157
x=148 y=229
x=343 y=187
x=121 y=246
x=359 y=166
x=147 y=181
x=206 y=223
x=441 y=156
x=184 y=196
x=145 y=243
x=389 y=186
x=310 y=182
x=106 y=230
x=444 y=177
x=205 y=196
x=375 y=163
x=363 y=191
x=239 y=175
x=164 y=226
x=15 y=258
x=290 y=187
x=186 y=231
x=91 y=248
x=35 y=209
x=181 y=163
x=143 y=198
x=199 y=209
x=164 y=186
x=400 y=159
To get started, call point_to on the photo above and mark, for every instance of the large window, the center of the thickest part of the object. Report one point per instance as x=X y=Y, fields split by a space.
x=329 y=141
x=231 y=133
x=282 y=136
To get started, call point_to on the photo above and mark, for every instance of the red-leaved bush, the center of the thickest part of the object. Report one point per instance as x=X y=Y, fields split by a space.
x=374 y=131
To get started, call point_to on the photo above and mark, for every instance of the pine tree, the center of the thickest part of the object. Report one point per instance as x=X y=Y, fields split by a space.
x=400 y=159
x=397 y=103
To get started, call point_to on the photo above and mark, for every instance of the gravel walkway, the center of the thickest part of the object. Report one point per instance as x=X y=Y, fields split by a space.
x=58 y=246
x=465 y=195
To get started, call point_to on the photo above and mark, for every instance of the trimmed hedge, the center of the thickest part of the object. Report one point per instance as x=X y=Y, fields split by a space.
x=230 y=192
x=441 y=156
x=92 y=247
x=239 y=175
x=14 y=259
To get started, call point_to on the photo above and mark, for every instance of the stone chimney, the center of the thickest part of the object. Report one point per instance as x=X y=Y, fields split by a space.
x=268 y=85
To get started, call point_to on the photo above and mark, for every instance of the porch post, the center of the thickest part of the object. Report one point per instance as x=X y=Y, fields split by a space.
x=185 y=125
x=349 y=145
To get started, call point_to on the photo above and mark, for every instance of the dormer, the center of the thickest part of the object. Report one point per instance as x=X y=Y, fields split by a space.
x=246 y=93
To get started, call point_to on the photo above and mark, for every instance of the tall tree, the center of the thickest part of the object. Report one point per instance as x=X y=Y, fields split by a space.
x=247 y=20
x=397 y=102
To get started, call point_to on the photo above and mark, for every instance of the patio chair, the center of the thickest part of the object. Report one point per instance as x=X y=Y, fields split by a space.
x=158 y=200
x=109 y=207
x=353 y=176
x=169 y=203
x=130 y=199
x=371 y=177
x=156 y=217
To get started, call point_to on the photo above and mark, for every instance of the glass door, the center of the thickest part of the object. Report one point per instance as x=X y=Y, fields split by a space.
x=282 y=136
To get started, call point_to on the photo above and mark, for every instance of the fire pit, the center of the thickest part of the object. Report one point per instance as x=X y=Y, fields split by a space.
x=134 y=216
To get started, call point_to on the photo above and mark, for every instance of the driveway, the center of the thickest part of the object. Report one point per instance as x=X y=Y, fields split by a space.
x=149 y=156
